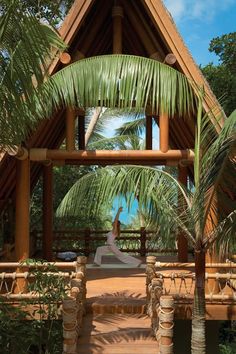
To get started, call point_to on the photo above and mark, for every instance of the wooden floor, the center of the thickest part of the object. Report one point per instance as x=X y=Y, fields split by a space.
x=116 y=322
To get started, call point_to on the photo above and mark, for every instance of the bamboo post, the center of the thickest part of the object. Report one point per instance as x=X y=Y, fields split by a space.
x=148 y=132
x=164 y=132
x=22 y=233
x=150 y=272
x=166 y=324
x=143 y=238
x=81 y=130
x=69 y=318
x=155 y=291
x=87 y=242
x=182 y=241
x=77 y=293
x=117 y=15
x=70 y=129
x=47 y=212
x=81 y=274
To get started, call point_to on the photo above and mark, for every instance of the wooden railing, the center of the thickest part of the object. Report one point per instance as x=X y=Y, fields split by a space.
x=14 y=282
x=177 y=280
x=85 y=241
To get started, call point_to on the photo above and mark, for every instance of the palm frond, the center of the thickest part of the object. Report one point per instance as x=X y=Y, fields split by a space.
x=217 y=173
x=123 y=142
x=119 y=81
x=26 y=46
x=157 y=191
x=134 y=127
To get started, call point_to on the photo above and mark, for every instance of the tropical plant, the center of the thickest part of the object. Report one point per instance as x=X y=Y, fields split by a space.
x=221 y=77
x=26 y=46
x=122 y=81
x=208 y=215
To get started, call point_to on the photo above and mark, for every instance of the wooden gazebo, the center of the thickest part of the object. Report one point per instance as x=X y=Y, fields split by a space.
x=98 y=27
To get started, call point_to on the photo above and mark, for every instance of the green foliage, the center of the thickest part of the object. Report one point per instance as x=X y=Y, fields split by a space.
x=222 y=77
x=25 y=46
x=41 y=331
x=50 y=11
x=227 y=337
x=122 y=81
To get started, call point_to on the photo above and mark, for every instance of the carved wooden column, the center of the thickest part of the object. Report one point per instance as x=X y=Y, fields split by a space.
x=47 y=212
x=22 y=232
x=182 y=241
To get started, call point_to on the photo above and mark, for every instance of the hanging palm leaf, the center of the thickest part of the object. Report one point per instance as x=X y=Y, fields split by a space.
x=122 y=81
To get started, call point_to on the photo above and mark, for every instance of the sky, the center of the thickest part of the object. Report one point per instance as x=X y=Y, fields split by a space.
x=198 y=21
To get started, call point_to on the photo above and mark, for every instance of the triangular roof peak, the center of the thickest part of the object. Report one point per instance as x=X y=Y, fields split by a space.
x=148 y=30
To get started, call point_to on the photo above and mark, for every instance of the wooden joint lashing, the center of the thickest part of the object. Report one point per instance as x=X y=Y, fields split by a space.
x=38 y=154
x=170 y=59
x=19 y=152
x=155 y=56
x=65 y=58
x=166 y=324
x=117 y=11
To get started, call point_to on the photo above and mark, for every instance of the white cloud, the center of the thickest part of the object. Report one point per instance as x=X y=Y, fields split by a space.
x=204 y=10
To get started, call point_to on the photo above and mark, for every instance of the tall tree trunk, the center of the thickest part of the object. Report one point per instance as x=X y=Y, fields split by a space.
x=92 y=124
x=198 y=342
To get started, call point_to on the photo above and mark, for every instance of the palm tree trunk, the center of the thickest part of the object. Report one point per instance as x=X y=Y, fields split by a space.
x=198 y=342
x=93 y=122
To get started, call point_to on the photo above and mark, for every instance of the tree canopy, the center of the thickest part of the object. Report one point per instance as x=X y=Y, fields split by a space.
x=222 y=77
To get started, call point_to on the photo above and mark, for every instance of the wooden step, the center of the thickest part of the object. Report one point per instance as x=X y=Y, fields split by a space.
x=117 y=334
x=116 y=305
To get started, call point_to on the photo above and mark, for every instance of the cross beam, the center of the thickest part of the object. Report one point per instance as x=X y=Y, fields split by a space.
x=95 y=157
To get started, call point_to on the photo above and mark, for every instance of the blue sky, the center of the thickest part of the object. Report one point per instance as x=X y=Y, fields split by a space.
x=199 y=21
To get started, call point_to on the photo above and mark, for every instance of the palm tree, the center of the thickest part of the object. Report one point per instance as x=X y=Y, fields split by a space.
x=26 y=47
x=200 y=219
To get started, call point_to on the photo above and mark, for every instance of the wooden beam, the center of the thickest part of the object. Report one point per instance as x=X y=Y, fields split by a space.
x=47 y=212
x=182 y=241
x=146 y=41
x=164 y=132
x=111 y=155
x=70 y=129
x=148 y=132
x=117 y=15
x=81 y=132
x=22 y=233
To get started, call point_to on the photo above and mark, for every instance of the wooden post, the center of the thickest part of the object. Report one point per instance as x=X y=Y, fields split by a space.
x=87 y=242
x=70 y=129
x=47 y=212
x=81 y=131
x=69 y=318
x=156 y=290
x=22 y=233
x=117 y=14
x=143 y=238
x=166 y=324
x=150 y=271
x=148 y=132
x=164 y=132
x=182 y=241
